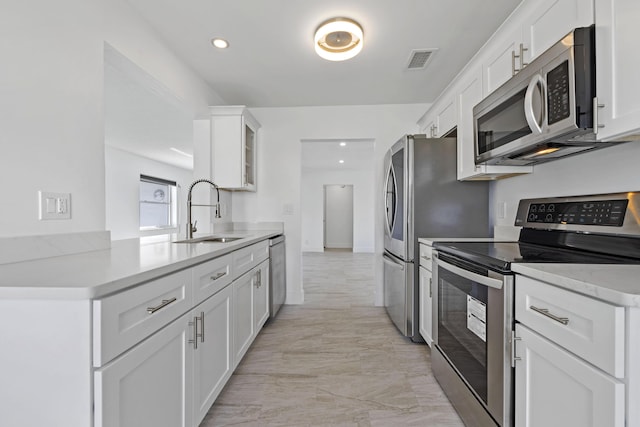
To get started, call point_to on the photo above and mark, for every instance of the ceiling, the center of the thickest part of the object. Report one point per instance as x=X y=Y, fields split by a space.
x=326 y=154
x=271 y=62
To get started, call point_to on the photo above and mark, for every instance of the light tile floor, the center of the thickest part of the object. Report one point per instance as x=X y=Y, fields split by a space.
x=335 y=361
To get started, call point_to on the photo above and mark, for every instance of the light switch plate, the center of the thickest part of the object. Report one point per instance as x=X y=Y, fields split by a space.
x=54 y=205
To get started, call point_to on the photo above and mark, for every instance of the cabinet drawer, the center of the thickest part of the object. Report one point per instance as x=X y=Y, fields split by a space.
x=246 y=258
x=594 y=330
x=126 y=318
x=212 y=276
x=426 y=256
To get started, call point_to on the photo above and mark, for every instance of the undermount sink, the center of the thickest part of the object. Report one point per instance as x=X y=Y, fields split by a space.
x=210 y=239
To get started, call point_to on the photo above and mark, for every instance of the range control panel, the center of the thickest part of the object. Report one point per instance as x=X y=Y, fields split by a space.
x=597 y=212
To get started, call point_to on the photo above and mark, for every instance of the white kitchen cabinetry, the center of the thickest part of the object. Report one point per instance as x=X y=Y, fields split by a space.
x=250 y=309
x=149 y=385
x=617 y=62
x=533 y=28
x=426 y=293
x=550 y=21
x=213 y=357
x=234 y=137
x=440 y=119
x=569 y=358
x=500 y=59
x=261 y=297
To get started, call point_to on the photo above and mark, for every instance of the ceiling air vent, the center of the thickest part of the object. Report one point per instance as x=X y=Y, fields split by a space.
x=419 y=58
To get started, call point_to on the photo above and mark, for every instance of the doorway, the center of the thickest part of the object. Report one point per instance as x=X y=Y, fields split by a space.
x=338 y=216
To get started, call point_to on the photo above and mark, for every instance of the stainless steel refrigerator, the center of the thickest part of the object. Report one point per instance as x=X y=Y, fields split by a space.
x=423 y=198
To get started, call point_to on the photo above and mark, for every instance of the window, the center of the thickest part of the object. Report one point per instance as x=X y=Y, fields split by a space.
x=158 y=203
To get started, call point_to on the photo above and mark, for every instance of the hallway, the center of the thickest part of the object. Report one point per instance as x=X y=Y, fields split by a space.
x=336 y=360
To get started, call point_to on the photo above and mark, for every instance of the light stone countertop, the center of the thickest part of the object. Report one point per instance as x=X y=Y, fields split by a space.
x=127 y=263
x=431 y=240
x=616 y=284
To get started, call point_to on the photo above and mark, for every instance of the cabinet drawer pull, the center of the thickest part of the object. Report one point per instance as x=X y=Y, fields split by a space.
x=201 y=326
x=217 y=276
x=194 y=340
x=165 y=302
x=545 y=312
x=258 y=278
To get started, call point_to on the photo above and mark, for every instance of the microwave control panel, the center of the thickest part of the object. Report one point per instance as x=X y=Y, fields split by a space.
x=600 y=212
x=558 y=93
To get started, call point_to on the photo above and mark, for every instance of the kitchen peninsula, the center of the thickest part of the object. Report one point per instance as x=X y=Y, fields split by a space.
x=145 y=329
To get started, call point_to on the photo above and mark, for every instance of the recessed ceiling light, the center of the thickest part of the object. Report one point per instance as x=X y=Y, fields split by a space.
x=342 y=144
x=338 y=39
x=220 y=43
x=340 y=161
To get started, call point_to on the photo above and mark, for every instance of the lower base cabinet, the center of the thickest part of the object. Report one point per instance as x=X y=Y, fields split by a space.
x=213 y=359
x=151 y=384
x=172 y=378
x=251 y=308
x=555 y=388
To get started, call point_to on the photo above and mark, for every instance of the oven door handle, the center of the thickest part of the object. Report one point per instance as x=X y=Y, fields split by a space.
x=483 y=280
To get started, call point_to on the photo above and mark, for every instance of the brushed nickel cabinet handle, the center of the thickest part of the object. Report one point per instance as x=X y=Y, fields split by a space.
x=194 y=340
x=430 y=287
x=545 y=312
x=217 y=276
x=514 y=358
x=165 y=302
x=522 y=51
x=201 y=326
x=596 y=107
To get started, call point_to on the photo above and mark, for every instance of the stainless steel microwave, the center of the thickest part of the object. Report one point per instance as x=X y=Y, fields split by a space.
x=545 y=111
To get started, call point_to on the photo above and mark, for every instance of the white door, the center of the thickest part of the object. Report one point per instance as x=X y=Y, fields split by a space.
x=555 y=388
x=338 y=216
x=149 y=385
x=261 y=297
x=426 y=304
x=243 y=323
x=213 y=359
x=617 y=62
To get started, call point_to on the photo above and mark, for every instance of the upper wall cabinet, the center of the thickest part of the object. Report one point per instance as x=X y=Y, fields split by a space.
x=440 y=119
x=234 y=136
x=533 y=28
x=617 y=64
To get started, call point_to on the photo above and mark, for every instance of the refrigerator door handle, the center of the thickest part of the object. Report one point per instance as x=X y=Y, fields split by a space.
x=386 y=258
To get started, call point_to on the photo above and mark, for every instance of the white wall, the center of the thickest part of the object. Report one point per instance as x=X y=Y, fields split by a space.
x=279 y=168
x=609 y=170
x=51 y=103
x=312 y=206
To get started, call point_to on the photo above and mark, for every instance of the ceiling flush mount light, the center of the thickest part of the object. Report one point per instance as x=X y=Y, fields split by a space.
x=338 y=39
x=220 y=43
x=342 y=144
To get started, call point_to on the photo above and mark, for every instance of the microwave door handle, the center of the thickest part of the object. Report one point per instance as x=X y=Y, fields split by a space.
x=483 y=280
x=529 y=113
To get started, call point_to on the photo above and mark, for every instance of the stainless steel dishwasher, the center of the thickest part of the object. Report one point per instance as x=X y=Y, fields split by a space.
x=277 y=275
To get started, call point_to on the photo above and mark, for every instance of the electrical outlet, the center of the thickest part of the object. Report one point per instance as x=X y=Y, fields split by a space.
x=54 y=205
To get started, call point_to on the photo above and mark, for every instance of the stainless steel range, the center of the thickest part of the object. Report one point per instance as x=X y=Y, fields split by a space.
x=474 y=295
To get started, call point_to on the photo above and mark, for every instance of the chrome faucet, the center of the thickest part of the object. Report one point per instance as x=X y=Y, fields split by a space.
x=191 y=228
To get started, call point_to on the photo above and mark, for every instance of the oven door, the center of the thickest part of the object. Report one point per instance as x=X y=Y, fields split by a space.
x=473 y=319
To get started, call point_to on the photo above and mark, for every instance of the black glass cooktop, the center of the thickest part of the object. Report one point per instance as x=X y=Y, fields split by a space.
x=546 y=247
